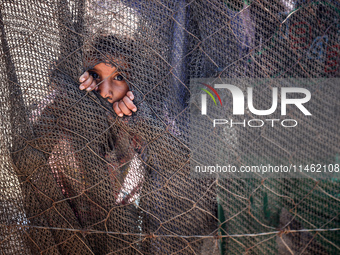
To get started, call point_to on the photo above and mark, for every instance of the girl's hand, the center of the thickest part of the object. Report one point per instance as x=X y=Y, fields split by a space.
x=125 y=105
x=87 y=82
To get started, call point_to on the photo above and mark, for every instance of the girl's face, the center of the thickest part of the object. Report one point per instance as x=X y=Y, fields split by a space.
x=112 y=84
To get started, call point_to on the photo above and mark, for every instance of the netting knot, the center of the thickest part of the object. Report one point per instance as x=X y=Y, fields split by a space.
x=218 y=236
x=151 y=236
x=283 y=232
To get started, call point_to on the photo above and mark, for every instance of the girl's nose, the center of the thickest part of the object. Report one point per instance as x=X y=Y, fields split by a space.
x=104 y=89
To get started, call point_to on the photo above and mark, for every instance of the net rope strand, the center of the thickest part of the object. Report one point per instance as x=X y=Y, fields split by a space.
x=286 y=231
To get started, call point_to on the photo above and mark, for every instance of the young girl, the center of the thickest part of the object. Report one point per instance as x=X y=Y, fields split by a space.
x=105 y=77
x=90 y=165
x=108 y=76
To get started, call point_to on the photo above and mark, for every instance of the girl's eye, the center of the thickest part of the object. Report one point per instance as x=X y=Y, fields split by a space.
x=94 y=75
x=118 y=77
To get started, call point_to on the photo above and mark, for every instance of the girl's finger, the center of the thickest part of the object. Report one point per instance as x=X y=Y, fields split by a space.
x=117 y=109
x=130 y=95
x=84 y=77
x=86 y=83
x=129 y=104
x=123 y=108
x=92 y=86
